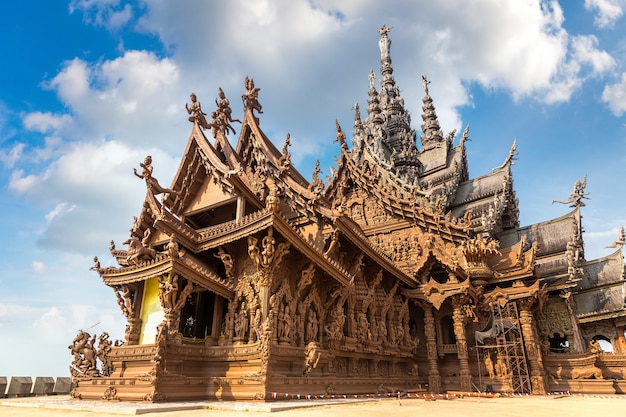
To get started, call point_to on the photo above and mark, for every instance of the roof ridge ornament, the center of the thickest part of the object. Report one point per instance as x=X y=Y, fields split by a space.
x=196 y=115
x=251 y=97
x=577 y=195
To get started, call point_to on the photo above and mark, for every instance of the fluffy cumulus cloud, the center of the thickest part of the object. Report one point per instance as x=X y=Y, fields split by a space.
x=615 y=96
x=92 y=193
x=607 y=11
x=131 y=98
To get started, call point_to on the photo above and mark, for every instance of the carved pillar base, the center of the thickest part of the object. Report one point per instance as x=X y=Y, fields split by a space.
x=466 y=383
x=434 y=384
x=538 y=385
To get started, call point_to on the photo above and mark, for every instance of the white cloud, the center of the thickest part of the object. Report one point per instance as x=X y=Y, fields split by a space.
x=45 y=122
x=132 y=98
x=608 y=11
x=92 y=191
x=9 y=158
x=106 y=13
x=60 y=210
x=39 y=267
x=615 y=96
x=585 y=51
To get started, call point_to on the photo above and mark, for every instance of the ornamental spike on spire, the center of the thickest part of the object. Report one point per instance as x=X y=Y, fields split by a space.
x=384 y=43
x=431 y=129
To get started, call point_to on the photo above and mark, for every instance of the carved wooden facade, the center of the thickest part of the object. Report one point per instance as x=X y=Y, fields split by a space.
x=400 y=273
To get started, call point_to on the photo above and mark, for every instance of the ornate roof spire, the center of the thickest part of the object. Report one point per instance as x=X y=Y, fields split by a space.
x=431 y=129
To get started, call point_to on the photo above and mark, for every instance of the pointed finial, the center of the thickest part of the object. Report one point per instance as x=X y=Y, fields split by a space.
x=384 y=42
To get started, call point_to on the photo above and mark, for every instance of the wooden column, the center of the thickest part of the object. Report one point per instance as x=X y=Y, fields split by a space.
x=216 y=325
x=461 y=342
x=537 y=372
x=620 y=341
x=434 y=379
x=579 y=345
x=241 y=207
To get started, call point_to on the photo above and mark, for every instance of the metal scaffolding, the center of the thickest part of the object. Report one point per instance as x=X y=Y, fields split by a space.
x=508 y=346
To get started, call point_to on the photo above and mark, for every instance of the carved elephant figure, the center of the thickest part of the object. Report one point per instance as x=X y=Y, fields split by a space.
x=586 y=372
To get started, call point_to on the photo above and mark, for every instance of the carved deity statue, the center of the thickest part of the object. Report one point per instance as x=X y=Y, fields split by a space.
x=196 y=113
x=384 y=43
x=250 y=97
x=312 y=357
x=227 y=260
x=489 y=366
x=224 y=112
x=577 y=195
x=500 y=368
x=151 y=182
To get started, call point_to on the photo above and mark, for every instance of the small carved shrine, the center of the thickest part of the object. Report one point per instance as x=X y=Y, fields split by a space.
x=243 y=280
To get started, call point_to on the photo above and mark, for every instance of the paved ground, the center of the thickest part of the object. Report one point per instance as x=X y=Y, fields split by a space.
x=548 y=406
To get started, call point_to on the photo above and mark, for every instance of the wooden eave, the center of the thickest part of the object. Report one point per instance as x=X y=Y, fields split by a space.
x=354 y=233
x=513 y=263
x=515 y=292
x=600 y=315
x=298 y=241
x=435 y=293
x=404 y=208
x=125 y=275
x=266 y=146
x=215 y=236
x=186 y=265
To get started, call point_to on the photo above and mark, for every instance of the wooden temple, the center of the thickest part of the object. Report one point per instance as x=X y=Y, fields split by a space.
x=243 y=280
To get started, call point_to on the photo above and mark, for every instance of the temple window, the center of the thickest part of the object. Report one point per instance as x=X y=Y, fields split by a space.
x=558 y=343
x=196 y=317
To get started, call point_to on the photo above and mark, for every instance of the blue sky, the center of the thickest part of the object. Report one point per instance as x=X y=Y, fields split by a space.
x=89 y=87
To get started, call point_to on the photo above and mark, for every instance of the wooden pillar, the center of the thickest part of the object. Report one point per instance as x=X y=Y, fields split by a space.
x=241 y=209
x=620 y=341
x=537 y=372
x=216 y=325
x=434 y=379
x=579 y=345
x=461 y=342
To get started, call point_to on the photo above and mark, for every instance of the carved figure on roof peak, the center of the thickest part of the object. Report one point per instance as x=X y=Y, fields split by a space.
x=317 y=185
x=425 y=82
x=251 y=96
x=138 y=252
x=341 y=136
x=384 y=43
x=578 y=193
x=196 y=113
x=224 y=112
x=96 y=264
x=151 y=182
